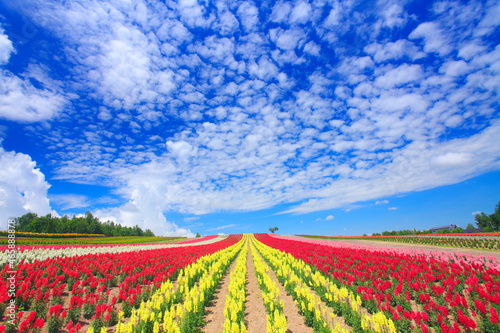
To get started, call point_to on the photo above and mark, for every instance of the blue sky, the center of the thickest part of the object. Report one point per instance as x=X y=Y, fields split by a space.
x=335 y=117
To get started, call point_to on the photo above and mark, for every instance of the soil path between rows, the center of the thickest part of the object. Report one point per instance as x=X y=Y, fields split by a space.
x=214 y=317
x=496 y=254
x=255 y=311
x=295 y=321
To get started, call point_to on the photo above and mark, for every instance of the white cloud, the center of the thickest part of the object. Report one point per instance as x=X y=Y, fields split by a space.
x=399 y=76
x=381 y=202
x=287 y=39
x=181 y=149
x=301 y=13
x=69 y=201
x=394 y=50
x=455 y=68
x=418 y=167
x=228 y=24
x=394 y=16
x=435 y=40
x=21 y=101
x=312 y=48
x=222 y=227
x=6 y=48
x=143 y=214
x=280 y=12
x=477 y=212
x=23 y=187
x=329 y=217
x=249 y=16
x=392 y=208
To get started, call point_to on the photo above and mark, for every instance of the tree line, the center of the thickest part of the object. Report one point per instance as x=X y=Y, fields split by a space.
x=87 y=224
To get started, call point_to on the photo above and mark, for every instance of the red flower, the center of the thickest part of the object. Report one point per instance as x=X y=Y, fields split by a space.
x=494 y=315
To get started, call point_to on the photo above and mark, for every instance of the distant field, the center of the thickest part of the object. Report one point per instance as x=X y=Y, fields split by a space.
x=91 y=241
x=482 y=241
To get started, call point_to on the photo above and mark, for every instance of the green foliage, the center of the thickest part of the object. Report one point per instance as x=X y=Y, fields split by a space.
x=273 y=229
x=88 y=224
x=491 y=221
x=198 y=235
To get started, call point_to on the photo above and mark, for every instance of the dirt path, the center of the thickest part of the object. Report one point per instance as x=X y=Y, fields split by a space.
x=255 y=311
x=496 y=254
x=295 y=321
x=214 y=317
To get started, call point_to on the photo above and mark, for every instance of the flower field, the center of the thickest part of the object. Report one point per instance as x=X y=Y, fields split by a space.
x=480 y=241
x=335 y=288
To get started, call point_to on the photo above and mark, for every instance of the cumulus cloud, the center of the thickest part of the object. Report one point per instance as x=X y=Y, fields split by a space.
x=6 y=48
x=145 y=215
x=23 y=187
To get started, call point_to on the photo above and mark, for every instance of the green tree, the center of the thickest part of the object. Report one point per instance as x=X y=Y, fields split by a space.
x=495 y=217
x=198 y=235
x=482 y=220
x=273 y=229
x=24 y=221
x=470 y=226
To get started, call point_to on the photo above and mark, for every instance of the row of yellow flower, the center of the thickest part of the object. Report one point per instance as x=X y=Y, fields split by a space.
x=234 y=308
x=298 y=280
x=179 y=310
x=276 y=320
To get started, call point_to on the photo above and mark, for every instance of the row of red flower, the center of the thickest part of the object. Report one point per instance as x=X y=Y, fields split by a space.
x=58 y=290
x=413 y=290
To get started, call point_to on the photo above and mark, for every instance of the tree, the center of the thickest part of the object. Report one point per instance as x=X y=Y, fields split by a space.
x=273 y=229
x=198 y=235
x=457 y=230
x=470 y=226
x=25 y=220
x=482 y=220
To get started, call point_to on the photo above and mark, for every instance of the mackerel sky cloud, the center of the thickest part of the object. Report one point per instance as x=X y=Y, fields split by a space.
x=142 y=110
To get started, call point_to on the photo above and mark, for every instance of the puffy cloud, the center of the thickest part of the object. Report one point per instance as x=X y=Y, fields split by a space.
x=144 y=215
x=399 y=76
x=287 y=39
x=21 y=101
x=434 y=39
x=301 y=13
x=23 y=187
x=393 y=50
x=6 y=48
